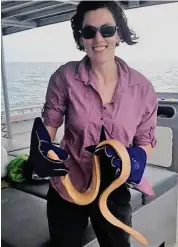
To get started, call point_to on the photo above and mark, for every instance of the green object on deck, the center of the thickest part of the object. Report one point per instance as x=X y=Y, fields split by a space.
x=15 y=168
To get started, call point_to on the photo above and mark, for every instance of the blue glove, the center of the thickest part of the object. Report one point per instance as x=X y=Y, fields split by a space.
x=137 y=155
x=39 y=147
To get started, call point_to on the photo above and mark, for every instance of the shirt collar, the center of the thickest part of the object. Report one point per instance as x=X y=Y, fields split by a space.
x=84 y=73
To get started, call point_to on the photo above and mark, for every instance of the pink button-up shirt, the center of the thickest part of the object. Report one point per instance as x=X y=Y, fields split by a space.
x=72 y=97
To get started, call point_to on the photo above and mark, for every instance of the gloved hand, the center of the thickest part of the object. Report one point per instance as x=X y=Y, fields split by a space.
x=39 y=147
x=109 y=153
x=137 y=157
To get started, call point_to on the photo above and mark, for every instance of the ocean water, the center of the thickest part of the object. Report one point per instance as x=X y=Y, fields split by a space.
x=27 y=82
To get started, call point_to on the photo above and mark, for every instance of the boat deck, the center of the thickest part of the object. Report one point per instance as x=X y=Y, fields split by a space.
x=20 y=142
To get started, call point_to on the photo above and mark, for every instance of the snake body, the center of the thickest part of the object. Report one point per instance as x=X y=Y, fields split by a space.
x=91 y=193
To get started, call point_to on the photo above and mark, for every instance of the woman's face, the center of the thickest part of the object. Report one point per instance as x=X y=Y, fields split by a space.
x=99 y=49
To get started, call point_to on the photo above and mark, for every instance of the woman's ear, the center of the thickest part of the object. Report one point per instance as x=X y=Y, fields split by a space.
x=118 y=40
x=81 y=42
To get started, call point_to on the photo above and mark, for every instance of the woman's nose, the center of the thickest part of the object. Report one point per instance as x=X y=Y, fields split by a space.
x=98 y=37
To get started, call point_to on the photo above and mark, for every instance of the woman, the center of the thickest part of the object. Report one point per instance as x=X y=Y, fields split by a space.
x=101 y=97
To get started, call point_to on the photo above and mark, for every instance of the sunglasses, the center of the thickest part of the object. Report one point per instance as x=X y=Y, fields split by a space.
x=89 y=32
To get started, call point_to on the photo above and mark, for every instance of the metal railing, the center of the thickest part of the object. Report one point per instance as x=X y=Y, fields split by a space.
x=24 y=113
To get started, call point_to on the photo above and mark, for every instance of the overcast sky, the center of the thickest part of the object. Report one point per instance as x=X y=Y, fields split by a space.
x=157 y=27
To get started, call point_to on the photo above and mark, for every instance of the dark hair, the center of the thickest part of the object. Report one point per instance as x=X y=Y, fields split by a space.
x=126 y=35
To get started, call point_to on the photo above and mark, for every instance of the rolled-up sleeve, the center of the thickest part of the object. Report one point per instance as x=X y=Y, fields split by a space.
x=56 y=100
x=145 y=133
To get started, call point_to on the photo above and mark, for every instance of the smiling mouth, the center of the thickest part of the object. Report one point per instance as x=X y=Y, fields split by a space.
x=99 y=48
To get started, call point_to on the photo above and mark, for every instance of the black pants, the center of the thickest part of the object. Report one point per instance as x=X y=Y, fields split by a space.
x=68 y=222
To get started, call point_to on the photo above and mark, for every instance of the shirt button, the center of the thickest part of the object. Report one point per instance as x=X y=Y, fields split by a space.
x=102 y=118
x=104 y=107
